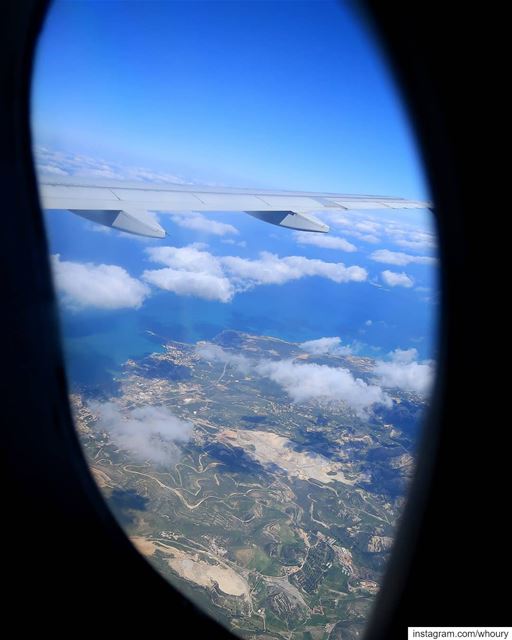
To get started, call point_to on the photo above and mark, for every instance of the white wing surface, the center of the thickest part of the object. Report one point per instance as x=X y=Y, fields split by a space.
x=125 y=206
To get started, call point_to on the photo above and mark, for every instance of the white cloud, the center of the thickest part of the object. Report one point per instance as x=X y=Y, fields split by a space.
x=393 y=279
x=192 y=270
x=404 y=356
x=147 y=433
x=417 y=240
x=189 y=283
x=213 y=352
x=193 y=257
x=347 y=222
x=271 y=269
x=375 y=228
x=418 y=245
x=52 y=169
x=49 y=161
x=404 y=371
x=368 y=237
x=411 y=236
x=104 y=286
x=326 y=346
x=325 y=241
x=368 y=226
x=199 y=222
x=305 y=382
x=238 y=243
x=400 y=259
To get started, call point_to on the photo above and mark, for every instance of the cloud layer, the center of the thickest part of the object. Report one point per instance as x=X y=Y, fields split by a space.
x=326 y=346
x=147 y=433
x=373 y=229
x=188 y=271
x=305 y=382
x=214 y=353
x=103 y=286
x=324 y=241
x=400 y=259
x=202 y=224
x=403 y=371
x=394 y=279
x=193 y=271
x=60 y=163
x=271 y=269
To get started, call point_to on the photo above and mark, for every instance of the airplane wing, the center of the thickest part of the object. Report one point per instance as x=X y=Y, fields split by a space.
x=125 y=206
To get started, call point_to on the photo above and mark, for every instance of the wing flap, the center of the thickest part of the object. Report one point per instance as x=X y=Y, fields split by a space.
x=291 y=220
x=138 y=222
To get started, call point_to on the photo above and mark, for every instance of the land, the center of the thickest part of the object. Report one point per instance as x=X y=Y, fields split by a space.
x=277 y=518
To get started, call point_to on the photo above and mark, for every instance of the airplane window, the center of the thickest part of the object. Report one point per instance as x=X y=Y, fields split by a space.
x=249 y=390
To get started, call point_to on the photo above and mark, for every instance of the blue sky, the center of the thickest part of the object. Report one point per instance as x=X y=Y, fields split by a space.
x=279 y=94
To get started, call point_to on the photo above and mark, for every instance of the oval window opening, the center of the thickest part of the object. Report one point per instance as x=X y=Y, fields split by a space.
x=249 y=390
